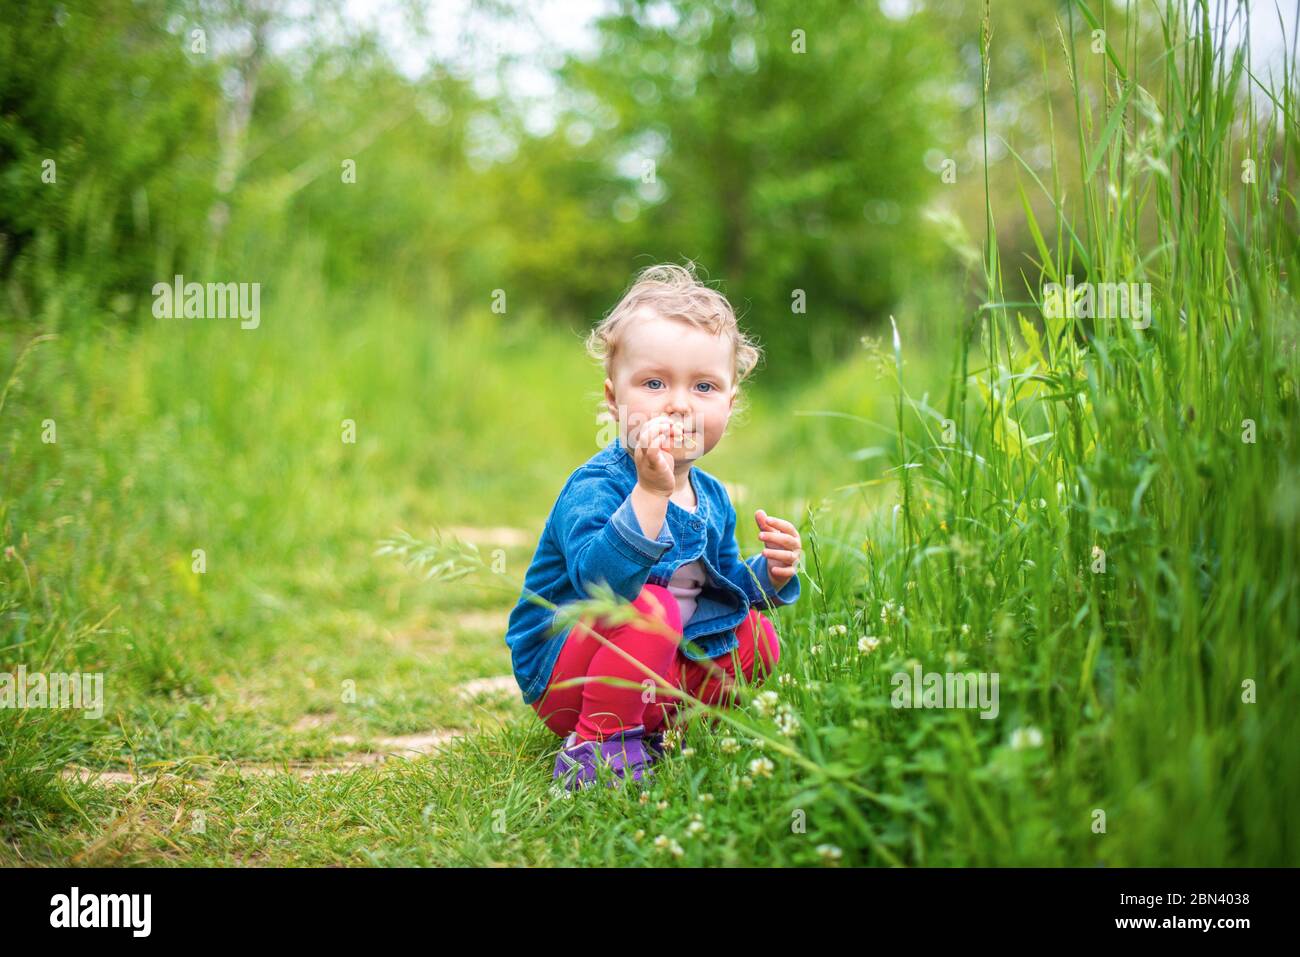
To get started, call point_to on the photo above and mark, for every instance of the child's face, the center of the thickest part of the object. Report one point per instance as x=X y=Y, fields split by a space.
x=666 y=367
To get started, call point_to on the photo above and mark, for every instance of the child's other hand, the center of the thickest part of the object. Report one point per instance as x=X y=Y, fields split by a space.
x=653 y=455
x=782 y=547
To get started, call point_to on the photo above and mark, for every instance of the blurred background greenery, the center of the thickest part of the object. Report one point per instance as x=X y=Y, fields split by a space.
x=546 y=150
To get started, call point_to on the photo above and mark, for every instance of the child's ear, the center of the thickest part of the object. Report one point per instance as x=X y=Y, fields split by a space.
x=609 y=399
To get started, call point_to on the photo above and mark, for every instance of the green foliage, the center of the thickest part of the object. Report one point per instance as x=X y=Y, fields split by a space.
x=112 y=99
x=785 y=143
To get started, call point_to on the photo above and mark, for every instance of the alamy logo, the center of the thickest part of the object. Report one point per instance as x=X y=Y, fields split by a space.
x=75 y=689
x=103 y=910
x=214 y=300
x=1099 y=300
x=946 y=690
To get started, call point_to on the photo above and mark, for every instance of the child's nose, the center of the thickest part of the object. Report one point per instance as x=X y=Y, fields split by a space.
x=679 y=403
x=679 y=409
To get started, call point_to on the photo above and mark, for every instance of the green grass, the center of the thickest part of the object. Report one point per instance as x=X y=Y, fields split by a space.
x=973 y=546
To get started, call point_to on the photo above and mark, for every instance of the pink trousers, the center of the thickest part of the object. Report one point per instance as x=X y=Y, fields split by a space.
x=598 y=709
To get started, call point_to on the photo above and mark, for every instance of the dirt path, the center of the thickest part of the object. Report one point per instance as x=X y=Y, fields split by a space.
x=366 y=751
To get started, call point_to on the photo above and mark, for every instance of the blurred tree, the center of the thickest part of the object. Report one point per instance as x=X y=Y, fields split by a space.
x=782 y=147
x=105 y=146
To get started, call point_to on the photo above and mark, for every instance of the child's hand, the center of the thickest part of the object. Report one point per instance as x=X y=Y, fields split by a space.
x=782 y=547
x=654 y=457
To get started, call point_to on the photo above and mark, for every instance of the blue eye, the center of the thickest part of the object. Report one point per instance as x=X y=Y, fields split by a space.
x=709 y=384
x=649 y=381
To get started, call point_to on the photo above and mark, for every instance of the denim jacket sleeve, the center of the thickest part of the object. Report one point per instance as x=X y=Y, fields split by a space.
x=598 y=532
x=744 y=573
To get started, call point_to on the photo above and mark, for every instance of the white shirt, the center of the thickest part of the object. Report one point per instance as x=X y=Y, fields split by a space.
x=685 y=586
x=687 y=583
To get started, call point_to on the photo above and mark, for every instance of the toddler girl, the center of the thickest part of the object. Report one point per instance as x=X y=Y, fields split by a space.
x=641 y=518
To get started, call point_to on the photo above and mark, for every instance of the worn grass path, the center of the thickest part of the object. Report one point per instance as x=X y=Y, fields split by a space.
x=313 y=741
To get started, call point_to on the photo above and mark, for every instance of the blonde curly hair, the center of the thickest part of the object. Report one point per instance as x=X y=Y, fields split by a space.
x=674 y=292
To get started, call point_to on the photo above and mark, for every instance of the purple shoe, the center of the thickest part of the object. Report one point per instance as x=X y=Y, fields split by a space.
x=626 y=752
x=578 y=761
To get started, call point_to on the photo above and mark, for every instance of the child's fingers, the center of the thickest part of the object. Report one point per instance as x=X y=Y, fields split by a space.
x=779 y=555
x=664 y=431
x=650 y=440
x=668 y=437
x=649 y=446
x=770 y=523
x=660 y=446
x=782 y=525
x=646 y=435
x=780 y=539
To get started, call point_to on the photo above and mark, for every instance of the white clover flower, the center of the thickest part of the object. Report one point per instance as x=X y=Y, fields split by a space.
x=687 y=752
x=662 y=841
x=788 y=680
x=761 y=767
x=729 y=745
x=662 y=805
x=786 y=721
x=765 y=702
x=815 y=650
x=639 y=835
x=644 y=798
x=1023 y=738
x=965 y=630
x=829 y=852
x=747 y=781
x=706 y=798
x=868 y=643
x=891 y=611
x=838 y=629
x=676 y=849
x=694 y=827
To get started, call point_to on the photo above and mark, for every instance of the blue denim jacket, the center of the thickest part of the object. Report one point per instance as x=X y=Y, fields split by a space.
x=592 y=535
